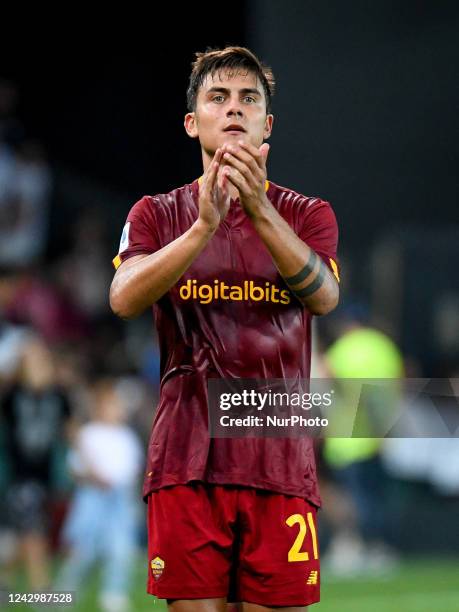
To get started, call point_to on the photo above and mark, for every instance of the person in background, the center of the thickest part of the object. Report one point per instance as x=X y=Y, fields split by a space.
x=106 y=462
x=35 y=415
x=356 y=493
x=26 y=184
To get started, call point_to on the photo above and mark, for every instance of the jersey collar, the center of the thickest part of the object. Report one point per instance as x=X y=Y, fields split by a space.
x=201 y=178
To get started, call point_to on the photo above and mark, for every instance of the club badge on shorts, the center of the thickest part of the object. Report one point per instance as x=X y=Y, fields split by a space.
x=157 y=567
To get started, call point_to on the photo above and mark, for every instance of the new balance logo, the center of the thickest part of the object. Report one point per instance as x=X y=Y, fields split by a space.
x=312 y=578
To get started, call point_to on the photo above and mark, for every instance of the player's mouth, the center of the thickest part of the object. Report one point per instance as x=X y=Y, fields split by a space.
x=234 y=128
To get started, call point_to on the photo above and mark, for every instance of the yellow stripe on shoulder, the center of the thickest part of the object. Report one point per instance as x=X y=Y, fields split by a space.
x=334 y=268
x=116 y=261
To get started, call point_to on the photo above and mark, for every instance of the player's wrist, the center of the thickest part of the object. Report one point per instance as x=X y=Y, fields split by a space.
x=259 y=210
x=205 y=228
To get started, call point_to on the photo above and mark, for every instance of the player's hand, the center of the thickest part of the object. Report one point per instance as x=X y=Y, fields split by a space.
x=214 y=198
x=247 y=172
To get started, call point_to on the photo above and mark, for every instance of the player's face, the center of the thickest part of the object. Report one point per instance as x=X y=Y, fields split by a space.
x=229 y=108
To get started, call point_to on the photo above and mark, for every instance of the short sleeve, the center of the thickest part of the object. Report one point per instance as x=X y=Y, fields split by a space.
x=139 y=235
x=319 y=231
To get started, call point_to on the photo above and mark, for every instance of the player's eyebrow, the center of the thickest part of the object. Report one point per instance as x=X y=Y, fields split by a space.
x=244 y=91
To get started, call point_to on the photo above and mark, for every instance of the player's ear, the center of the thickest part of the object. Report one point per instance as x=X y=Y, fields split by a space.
x=190 y=125
x=268 y=126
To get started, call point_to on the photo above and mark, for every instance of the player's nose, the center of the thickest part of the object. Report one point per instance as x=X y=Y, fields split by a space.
x=234 y=109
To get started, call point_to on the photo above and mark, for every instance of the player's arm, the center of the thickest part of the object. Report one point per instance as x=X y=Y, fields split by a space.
x=308 y=277
x=143 y=279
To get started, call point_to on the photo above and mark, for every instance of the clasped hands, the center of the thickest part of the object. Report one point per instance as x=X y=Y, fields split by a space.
x=244 y=166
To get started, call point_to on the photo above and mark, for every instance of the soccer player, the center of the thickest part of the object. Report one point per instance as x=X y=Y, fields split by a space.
x=234 y=266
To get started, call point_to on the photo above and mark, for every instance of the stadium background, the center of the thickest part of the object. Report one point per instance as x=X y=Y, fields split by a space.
x=365 y=116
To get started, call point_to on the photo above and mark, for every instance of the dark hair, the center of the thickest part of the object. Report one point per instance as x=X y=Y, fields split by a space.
x=232 y=59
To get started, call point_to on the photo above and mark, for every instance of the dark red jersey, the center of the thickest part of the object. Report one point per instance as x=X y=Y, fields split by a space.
x=231 y=315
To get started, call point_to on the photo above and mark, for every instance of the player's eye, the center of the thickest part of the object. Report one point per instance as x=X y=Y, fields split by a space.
x=249 y=99
x=219 y=98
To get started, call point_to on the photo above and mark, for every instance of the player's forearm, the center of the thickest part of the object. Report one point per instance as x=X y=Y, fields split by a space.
x=139 y=284
x=306 y=274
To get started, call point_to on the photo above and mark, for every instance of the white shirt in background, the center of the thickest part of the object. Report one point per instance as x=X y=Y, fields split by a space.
x=111 y=452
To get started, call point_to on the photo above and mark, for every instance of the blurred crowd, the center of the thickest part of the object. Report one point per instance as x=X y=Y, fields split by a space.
x=78 y=390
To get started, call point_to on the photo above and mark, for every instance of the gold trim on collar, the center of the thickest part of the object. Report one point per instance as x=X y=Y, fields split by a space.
x=266 y=182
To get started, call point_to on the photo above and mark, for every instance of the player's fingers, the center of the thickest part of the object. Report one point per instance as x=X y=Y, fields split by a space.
x=211 y=172
x=220 y=192
x=264 y=150
x=247 y=172
x=220 y=177
x=209 y=180
x=238 y=180
x=224 y=188
x=254 y=152
x=218 y=155
x=245 y=157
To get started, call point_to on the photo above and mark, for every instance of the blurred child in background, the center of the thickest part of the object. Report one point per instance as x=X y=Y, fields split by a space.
x=106 y=462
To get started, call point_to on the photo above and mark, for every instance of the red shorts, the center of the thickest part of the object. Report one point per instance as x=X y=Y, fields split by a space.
x=208 y=541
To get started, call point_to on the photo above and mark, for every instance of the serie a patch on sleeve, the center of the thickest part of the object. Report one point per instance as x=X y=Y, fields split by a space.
x=124 y=244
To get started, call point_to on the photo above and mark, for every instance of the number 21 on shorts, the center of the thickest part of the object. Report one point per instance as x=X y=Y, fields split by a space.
x=295 y=553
